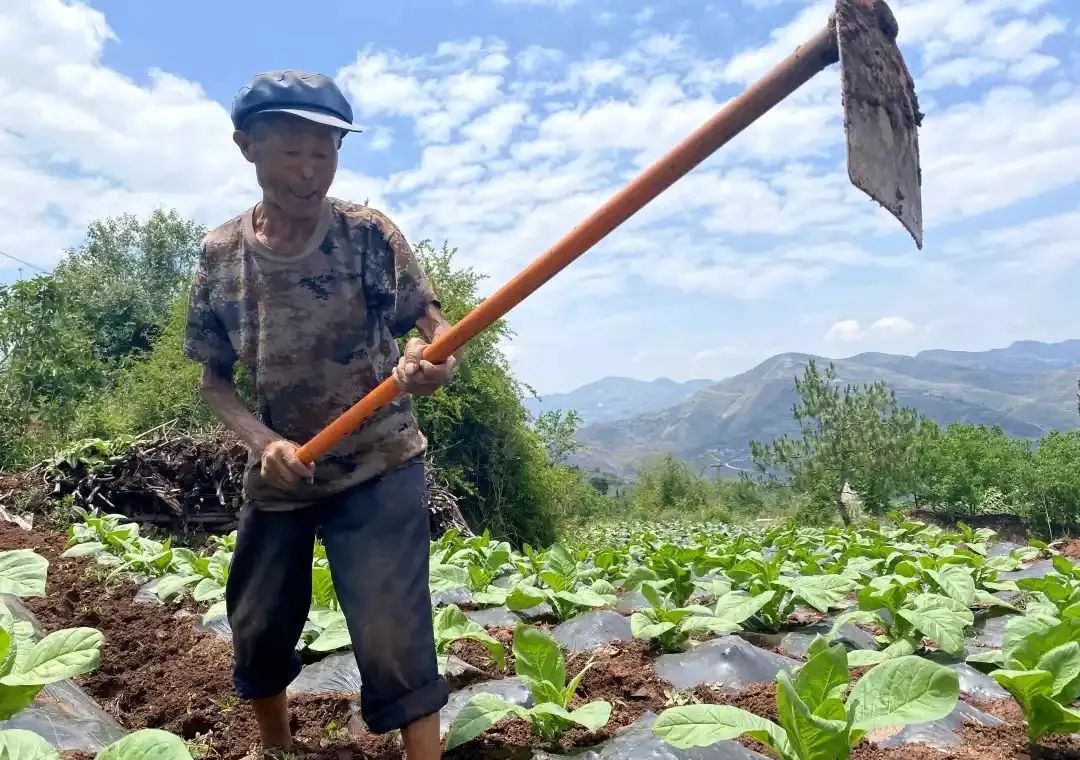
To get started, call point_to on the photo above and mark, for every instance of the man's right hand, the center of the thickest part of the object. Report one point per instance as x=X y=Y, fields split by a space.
x=281 y=468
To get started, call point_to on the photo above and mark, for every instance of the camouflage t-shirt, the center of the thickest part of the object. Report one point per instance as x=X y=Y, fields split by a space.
x=315 y=331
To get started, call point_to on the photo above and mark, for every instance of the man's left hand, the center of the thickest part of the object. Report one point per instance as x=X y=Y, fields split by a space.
x=420 y=377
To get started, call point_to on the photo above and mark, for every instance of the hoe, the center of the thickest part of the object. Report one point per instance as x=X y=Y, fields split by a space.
x=881 y=119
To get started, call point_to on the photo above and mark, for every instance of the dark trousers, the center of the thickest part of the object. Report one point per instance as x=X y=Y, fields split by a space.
x=376 y=537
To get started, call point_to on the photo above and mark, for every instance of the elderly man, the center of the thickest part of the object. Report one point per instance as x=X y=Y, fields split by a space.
x=309 y=293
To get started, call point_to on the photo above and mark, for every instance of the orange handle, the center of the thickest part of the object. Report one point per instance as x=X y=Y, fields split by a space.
x=788 y=76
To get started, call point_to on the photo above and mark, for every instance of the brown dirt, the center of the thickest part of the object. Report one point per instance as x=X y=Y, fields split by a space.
x=621 y=673
x=477 y=655
x=157 y=671
x=1070 y=548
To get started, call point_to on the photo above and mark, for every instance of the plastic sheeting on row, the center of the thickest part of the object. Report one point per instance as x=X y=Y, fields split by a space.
x=62 y=714
x=940 y=734
x=637 y=742
x=729 y=661
x=511 y=689
x=592 y=630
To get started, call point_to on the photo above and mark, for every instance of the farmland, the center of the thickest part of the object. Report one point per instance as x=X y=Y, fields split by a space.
x=676 y=641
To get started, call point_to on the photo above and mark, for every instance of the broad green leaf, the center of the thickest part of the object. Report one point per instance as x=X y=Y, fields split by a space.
x=450 y=623
x=8 y=650
x=820 y=591
x=492 y=597
x=941 y=618
x=641 y=627
x=824 y=671
x=704 y=725
x=856 y=616
x=986 y=599
x=1023 y=627
x=592 y=716
x=1047 y=716
x=84 y=549
x=323 y=618
x=147 y=744
x=991 y=657
x=444 y=577
x=652 y=595
x=61 y=654
x=524 y=598
x=901 y=691
x=207 y=589
x=738 y=606
x=1024 y=684
x=16 y=698
x=1028 y=652
x=19 y=744
x=561 y=563
x=813 y=738
x=22 y=573
x=479 y=714
x=861 y=658
x=169 y=586
x=1064 y=663
x=334 y=636
x=538 y=660
x=583 y=597
x=322 y=588
x=956 y=582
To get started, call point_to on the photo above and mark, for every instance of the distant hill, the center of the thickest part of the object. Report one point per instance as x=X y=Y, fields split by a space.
x=1028 y=389
x=617 y=398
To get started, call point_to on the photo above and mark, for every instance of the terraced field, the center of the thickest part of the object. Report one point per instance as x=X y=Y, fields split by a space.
x=695 y=642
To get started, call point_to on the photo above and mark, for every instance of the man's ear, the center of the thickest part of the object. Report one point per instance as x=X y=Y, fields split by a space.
x=246 y=144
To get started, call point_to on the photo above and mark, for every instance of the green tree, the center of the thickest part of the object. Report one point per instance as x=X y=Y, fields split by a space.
x=848 y=436
x=46 y=367
x=125 y=278
x=151 y=389
x=557 y=429
x=665 y=485
x=966 y=461
x=1053 y=482
x=477 y=427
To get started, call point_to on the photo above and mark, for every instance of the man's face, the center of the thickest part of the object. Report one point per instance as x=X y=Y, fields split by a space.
x=295 y=162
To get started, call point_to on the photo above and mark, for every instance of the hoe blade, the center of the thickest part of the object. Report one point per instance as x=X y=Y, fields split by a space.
x=881 y=112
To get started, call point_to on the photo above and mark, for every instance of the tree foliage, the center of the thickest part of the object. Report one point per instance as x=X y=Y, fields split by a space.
x=965 y=462
x=852 y=436
x=124 y=280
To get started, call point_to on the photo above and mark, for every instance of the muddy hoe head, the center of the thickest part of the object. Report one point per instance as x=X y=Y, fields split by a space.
x=881 y=111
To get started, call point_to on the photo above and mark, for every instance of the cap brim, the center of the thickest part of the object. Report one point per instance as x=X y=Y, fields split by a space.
x=318 y=117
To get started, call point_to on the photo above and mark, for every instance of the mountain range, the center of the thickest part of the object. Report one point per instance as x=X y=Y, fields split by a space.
x=617 y=398
x=1028 y=389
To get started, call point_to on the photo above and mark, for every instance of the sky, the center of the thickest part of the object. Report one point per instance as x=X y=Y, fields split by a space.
x=498 y=125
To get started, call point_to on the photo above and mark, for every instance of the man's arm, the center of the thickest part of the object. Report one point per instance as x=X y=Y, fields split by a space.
x=432 y=323
x=280 y=466
x=415 y=374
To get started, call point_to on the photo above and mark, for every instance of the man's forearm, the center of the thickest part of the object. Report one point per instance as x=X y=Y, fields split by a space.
x=220 y=395
x=432 y=323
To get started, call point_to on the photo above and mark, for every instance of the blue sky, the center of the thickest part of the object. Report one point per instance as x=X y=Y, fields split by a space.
x=499 y=124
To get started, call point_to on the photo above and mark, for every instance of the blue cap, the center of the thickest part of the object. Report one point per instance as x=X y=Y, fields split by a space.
x=310 y=96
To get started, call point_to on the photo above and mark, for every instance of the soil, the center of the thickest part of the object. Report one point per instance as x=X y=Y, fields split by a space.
x=158 y=671
x=1070 y=548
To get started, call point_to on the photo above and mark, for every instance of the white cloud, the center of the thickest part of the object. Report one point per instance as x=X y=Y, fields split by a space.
x=850 y=330
x=847 y=331
x=502 y=150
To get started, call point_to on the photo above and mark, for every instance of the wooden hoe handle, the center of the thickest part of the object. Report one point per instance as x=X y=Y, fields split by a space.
x=794 y=71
